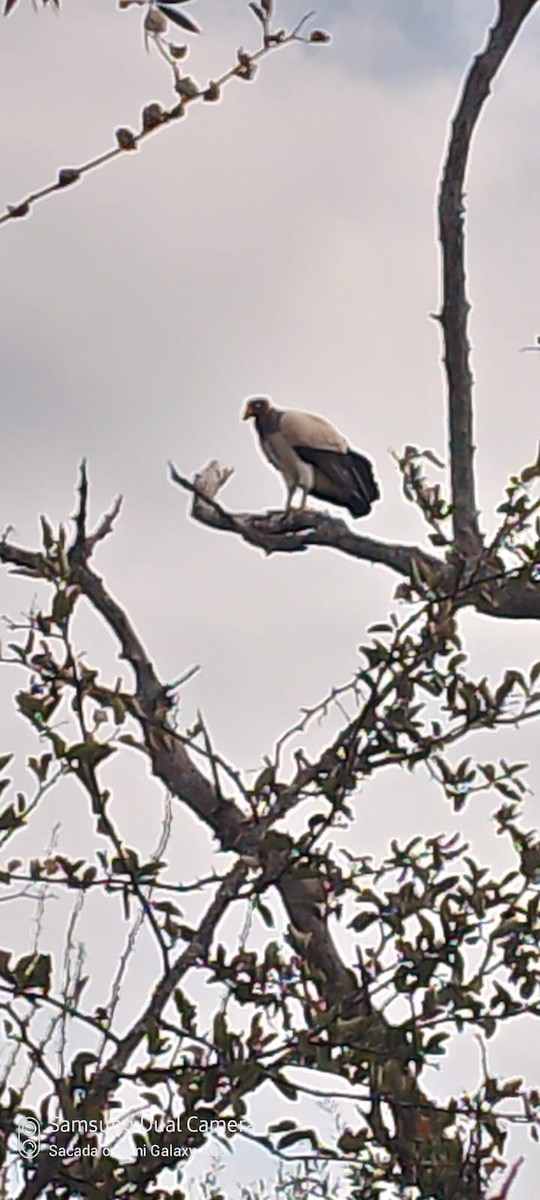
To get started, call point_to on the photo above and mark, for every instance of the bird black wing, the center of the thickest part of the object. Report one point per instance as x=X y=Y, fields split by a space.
x=344 y=479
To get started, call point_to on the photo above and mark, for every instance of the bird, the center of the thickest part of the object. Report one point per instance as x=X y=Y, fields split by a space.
x=314 y=457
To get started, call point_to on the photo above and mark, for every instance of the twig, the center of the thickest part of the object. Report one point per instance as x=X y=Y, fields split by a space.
x=505 y=1190
x=154 y=119
x=82 y=511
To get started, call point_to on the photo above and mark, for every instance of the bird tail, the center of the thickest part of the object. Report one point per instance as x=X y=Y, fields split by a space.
x=344 y=479
x=365 y=491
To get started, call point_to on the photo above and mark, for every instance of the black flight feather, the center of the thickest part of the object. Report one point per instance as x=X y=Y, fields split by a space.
x=344 y=479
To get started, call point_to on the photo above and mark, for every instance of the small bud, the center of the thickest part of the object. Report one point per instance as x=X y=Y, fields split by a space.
x=19 y=210
x=152 y=116
x=248 y=72
x=155 y=21
x=187 y=88
x=177 y=51
x=126 y=139
x=246 y=67
x=319 y=35
x=177 y=111
x=212 y=93
x=68 y=175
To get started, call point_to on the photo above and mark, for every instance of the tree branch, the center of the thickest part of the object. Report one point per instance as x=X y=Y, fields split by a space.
x=455 y=308
x=106 y=1078
x=155 y=118
x=277 y=861
x=487 y=586
x=302 y=528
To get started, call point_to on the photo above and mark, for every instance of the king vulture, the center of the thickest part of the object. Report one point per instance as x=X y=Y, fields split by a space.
x=313 y=456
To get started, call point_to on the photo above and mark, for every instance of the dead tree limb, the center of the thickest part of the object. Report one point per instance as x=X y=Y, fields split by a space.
x=455 y=307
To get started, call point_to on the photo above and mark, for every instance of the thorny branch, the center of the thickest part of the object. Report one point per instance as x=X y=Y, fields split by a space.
x=468 y=540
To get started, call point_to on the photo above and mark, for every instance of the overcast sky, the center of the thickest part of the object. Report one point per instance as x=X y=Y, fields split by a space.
x=282 y=242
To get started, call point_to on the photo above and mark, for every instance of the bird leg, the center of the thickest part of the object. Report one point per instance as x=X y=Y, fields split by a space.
x=290 y=496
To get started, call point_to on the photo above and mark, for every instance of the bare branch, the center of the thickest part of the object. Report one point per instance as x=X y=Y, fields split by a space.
x=82 y=511
x=197 y=948
x=105 y=526
x=107 y=1076
x=455 y=308
x=298 y=531
x=486 y=585
x=510 y=1178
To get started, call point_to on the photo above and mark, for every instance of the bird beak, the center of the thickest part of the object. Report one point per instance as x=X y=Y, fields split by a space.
x=248 y=412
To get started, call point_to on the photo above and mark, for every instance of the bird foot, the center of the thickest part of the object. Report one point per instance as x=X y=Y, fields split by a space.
x=271 y=517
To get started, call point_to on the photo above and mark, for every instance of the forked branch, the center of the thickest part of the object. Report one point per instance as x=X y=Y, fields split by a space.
x=486 y=584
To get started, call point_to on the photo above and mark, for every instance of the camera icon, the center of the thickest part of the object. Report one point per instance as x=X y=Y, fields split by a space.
x=28 y=1137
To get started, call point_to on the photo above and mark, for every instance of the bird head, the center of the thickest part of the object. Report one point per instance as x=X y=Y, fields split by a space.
x=257 y=406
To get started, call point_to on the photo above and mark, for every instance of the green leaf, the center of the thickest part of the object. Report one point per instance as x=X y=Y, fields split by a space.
x=266 y=913
x=287 y=1089
x=298 y=1135
x=79 y=1066
x=265 y=779
x=62 y=607
x=33 y=971
x=4 y=760
x=8 y=818
x=432 y=458
x=47 y=535
x=363 y=921
x=119 y=710
x=435 y=1044
x=5 y=972
x=178 y=19
x=89 y=753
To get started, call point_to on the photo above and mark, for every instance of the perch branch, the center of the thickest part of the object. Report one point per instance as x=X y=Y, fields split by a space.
x=301 y=529
x=490 y=589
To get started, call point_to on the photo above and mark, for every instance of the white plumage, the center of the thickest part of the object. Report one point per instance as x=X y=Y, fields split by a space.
x=314 y=457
